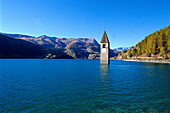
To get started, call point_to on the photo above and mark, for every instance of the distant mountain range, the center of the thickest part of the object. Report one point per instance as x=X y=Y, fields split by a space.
x=120 y=49
x=75 y=47
x=18 y=48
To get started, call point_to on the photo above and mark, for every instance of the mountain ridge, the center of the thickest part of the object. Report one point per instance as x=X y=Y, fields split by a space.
x=82 y=48
x=18 y=48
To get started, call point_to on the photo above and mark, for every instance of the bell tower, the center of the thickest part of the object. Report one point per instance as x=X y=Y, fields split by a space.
x=105 y=50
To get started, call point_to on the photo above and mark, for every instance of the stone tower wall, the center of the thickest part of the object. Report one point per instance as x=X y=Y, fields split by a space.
x=105 y=54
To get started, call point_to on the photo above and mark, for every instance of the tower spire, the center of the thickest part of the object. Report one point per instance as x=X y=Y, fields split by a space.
x=105 y=38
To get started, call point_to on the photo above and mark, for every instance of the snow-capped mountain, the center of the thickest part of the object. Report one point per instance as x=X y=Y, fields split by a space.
x=121 y=48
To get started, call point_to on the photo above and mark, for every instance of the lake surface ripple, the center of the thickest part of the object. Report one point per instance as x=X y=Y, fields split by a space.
x=83 y=86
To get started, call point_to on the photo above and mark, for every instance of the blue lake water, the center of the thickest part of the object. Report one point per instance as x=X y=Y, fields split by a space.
x=83 y=86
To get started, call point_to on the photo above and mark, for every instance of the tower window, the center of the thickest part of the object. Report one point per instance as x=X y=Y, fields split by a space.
x=104 y=45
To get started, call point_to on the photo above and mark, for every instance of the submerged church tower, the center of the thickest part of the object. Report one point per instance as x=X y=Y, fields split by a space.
x=105 y=50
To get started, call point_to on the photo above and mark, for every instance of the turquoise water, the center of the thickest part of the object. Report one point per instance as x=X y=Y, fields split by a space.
x=83 y=86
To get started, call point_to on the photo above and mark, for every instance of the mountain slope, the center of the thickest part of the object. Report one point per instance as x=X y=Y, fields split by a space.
x=17 y=48
x=16 y=35
x=77 y=48
x=156 y=44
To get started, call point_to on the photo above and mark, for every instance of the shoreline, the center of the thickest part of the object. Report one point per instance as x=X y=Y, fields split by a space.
x=147 y=61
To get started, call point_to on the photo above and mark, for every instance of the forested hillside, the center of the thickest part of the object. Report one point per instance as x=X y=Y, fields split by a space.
x=156 y=44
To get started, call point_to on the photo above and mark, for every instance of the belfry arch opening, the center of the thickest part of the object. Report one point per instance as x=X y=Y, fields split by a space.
x=104 y=45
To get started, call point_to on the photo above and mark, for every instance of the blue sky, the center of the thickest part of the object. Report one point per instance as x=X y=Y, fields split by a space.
x=126 y=21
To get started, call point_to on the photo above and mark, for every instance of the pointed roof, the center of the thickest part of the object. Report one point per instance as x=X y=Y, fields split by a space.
x=104 y=38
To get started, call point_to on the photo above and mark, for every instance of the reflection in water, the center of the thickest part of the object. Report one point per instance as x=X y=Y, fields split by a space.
x=104 y=69
x=105 y=78
x=104 y=88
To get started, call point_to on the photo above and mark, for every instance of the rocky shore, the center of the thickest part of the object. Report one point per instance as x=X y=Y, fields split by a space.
x=152 y=61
